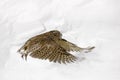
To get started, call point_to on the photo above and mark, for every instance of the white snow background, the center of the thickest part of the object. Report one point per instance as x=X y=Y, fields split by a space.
x=83 y=22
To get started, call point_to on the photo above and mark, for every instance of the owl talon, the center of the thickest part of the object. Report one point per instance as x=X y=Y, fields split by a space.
x=24 y=56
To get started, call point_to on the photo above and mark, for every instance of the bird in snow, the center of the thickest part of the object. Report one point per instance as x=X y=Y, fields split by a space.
x=51 y=46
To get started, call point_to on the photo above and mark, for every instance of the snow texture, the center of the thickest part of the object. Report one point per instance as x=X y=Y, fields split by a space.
x=83 y=22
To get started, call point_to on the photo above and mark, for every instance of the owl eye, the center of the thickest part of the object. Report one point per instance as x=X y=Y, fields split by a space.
x=25 y=47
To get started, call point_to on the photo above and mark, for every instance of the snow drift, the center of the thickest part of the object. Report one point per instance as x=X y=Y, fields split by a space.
x=83 y=22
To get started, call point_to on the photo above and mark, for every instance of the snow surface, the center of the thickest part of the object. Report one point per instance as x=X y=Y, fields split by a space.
x=83 y=22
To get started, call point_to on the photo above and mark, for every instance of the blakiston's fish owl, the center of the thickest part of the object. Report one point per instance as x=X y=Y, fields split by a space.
x=51 y=46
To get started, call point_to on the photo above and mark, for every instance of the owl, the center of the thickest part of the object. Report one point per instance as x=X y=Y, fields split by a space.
x=51 y=46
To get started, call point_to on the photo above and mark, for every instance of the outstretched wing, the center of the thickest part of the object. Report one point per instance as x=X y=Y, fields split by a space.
x=68 y=45
x=53 y=52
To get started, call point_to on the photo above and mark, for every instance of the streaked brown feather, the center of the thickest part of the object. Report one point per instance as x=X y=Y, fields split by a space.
x=68 y=45
x=51 y=46
x=53 y=53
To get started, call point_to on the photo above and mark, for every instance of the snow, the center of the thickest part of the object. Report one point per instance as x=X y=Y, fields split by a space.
x=83 y=22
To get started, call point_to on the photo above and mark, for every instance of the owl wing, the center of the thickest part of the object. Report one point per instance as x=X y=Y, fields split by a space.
x=69 y=46
x=53 y=52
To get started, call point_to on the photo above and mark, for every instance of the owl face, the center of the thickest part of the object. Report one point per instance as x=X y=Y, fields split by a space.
x=55 y=34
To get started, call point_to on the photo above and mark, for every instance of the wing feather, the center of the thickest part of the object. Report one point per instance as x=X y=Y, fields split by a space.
x=68 y=45
x=53 y=52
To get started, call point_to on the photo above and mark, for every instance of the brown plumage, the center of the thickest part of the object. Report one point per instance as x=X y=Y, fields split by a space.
x=51 y=46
